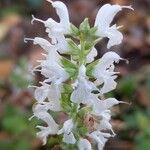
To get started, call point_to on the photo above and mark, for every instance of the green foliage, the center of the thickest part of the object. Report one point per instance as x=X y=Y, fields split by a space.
x=15 y=123
x=20 y=77
x=127 y=85
x=69 y=147
x=139 y=121
x=18 y=144
x=53 y=141
x=84 y=31
x=34 y=3
x=86 y=36
x=148 y=85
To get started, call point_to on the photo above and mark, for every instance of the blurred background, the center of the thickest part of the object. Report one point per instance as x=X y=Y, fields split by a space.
x=130 y=122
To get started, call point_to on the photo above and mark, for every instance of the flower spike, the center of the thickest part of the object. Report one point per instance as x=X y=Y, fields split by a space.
x=73 y=82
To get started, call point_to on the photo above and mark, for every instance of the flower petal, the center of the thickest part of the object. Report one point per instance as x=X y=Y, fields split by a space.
x=41 y=93
x=91 y=56
x=84 y=144
x=69 y=138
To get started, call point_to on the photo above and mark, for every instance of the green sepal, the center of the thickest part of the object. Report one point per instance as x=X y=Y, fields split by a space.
x=90 y=67
x=83 y=111
x=65 y=102
x=74 y=50
x=72 y=45
x=81 y=127
x=70 y=68
x=84 y=26
x=86 y=32
x=67 y=88
x=82 y=130
x=93 y=30
x=74 y=31
x=87 y=48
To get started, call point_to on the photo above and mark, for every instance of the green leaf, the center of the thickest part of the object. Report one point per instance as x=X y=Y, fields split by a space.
x=127 y=85
x=142 y=121
x=148 y=85
x=16 y=122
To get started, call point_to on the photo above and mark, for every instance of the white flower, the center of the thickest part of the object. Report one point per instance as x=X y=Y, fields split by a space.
x=91 y=56
x=105 y=121
x=51 y=68
x=100 y=138
x=84 y=144
x=63 y=14
x=102 y=105
x=54 y=72
x=40 y=111
x=64 y=25
x=104 y=71
x=52 y=93
x=44 y=133
x=41 y=93
x=57 y=30
x=68 y=136
x=51 y=50
x=82 y=93
x=103 y=20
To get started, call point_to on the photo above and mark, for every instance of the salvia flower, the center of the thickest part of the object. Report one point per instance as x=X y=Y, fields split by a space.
x=103 y=20
x=76 y=83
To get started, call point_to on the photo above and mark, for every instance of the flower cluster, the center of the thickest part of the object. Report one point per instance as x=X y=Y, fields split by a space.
x=74 y=82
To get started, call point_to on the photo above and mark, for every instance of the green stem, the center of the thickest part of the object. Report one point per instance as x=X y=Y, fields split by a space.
x=82 y=57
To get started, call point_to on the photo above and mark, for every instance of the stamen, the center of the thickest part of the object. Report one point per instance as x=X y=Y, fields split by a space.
x=28 y=39
x=39 y=61
x=37 y=70
x=128 y=7
x=127 y=61
x=97 y=40
x=36 y=19
x=32 y=86
x=113 y=132
x=119 y=27
x=48 y=80
x=37 y=67
x=31 y=118
x=122 y=102
x=45 y=55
